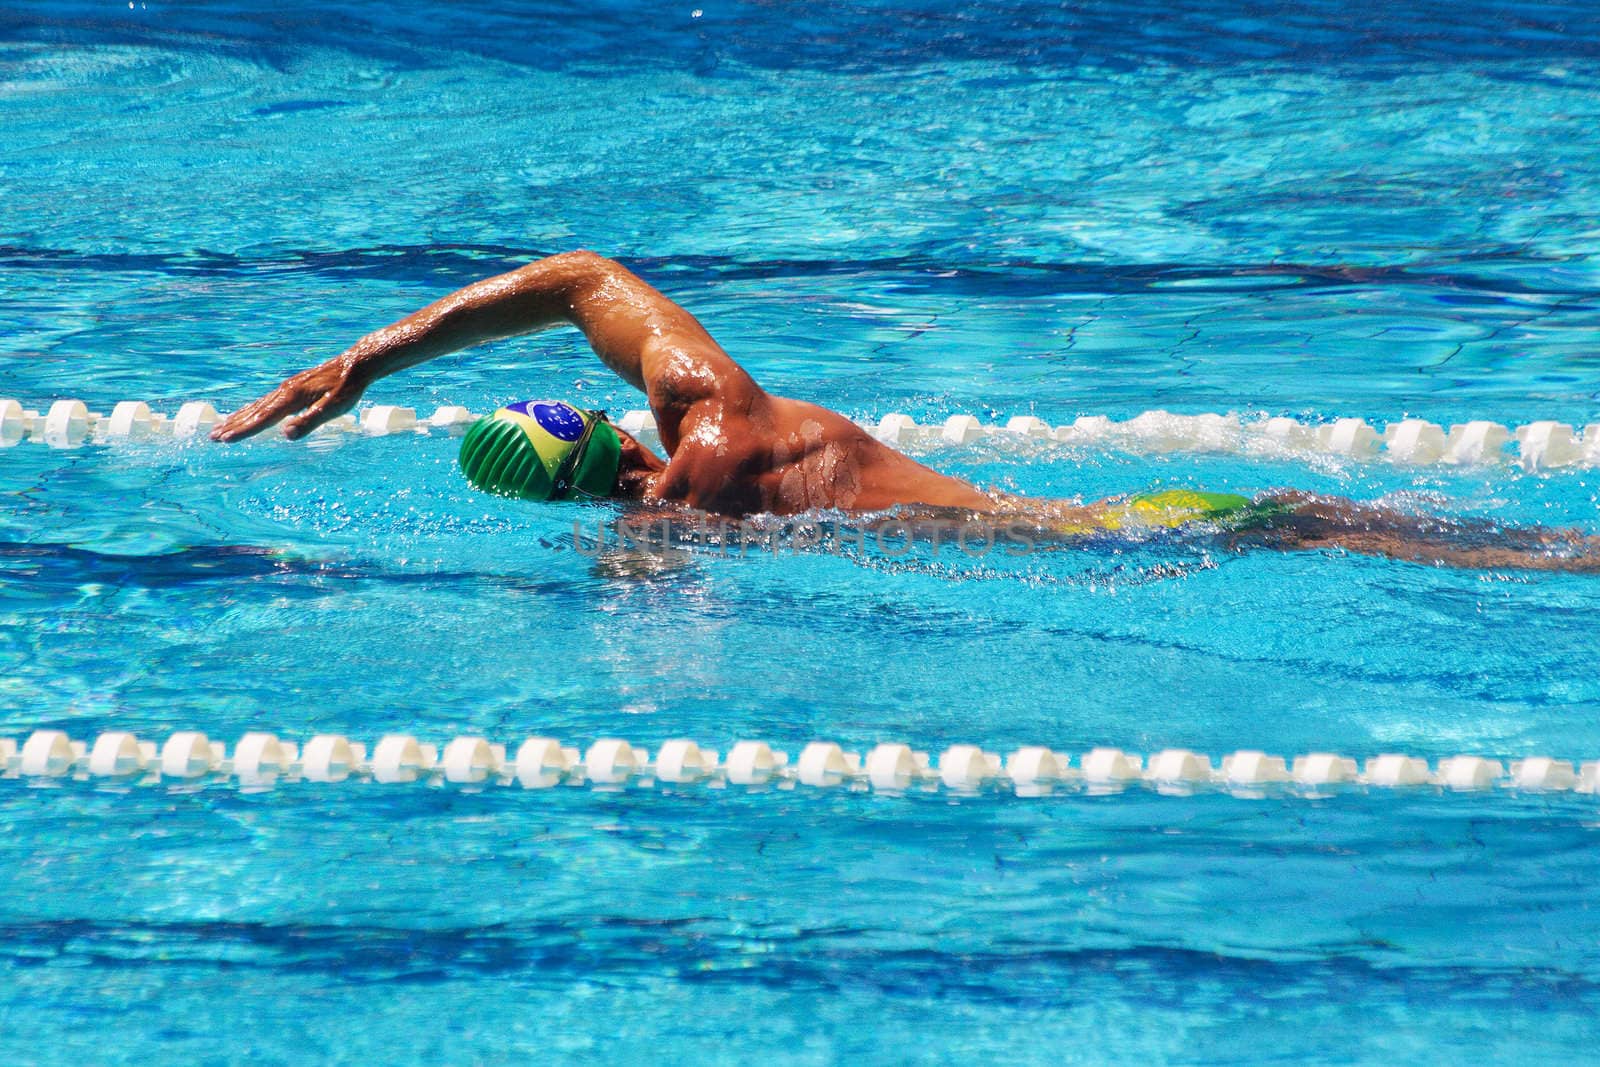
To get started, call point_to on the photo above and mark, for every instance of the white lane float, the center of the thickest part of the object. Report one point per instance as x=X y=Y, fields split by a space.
x=1537 y=446
x=262 y=759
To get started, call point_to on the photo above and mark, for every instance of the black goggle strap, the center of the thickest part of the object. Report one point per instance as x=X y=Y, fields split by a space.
x=562 y=482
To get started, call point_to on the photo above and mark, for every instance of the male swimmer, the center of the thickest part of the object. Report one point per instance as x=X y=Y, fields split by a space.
x=734 y=449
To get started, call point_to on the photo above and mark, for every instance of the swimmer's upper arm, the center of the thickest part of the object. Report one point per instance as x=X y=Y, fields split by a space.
x=651 y=341
x=682 y=375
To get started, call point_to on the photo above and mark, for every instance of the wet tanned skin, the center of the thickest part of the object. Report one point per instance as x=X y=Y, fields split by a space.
x=735 y=449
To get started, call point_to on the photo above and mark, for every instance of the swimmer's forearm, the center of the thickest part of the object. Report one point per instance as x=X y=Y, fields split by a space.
x=577 y=287
x=536 y=297
x=616 y=310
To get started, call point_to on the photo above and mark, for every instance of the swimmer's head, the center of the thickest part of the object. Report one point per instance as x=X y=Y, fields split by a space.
x=543 y=450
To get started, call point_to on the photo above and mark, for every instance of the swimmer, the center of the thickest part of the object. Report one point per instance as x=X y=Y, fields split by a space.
x=734 y=449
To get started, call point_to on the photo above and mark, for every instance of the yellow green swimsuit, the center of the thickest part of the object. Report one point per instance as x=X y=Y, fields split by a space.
x=1171 y=508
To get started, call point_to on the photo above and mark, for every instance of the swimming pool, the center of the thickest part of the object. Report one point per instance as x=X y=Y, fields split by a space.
x=991 y=209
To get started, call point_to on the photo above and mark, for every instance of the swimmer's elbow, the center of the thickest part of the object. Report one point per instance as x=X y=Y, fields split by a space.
x=575 y=275
x=579 y=261
x=579 y=255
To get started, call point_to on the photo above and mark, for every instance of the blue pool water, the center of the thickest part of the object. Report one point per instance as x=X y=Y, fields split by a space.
x=991 y=208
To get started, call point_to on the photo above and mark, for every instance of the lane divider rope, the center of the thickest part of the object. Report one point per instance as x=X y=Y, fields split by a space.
x=263 y=760
x=1536 y=446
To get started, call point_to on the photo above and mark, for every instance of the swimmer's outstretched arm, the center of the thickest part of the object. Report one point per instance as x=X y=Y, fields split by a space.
x=1320 y=522
x=648 y=340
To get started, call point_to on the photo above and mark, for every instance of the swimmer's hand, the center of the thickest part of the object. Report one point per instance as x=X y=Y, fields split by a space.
x=322 y=393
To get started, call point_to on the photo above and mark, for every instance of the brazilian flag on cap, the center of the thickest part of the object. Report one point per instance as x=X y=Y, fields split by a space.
x=542 y=450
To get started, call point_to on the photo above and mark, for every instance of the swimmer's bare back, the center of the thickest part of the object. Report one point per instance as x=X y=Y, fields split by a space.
x=735 y=449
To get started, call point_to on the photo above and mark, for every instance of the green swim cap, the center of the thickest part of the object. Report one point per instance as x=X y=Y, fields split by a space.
x=542 y=450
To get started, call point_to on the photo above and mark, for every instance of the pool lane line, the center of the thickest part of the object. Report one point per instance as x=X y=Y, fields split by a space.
x=262 y=760
x=1536 y=446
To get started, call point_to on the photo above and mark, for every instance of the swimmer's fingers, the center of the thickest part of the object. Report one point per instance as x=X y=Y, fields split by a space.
x=253 y=417
x=333 y=404
x=322 y=393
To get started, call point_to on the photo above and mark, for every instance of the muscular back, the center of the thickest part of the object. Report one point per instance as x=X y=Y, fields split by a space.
x=786 y=456
x=733 y=448
x=736 y=448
